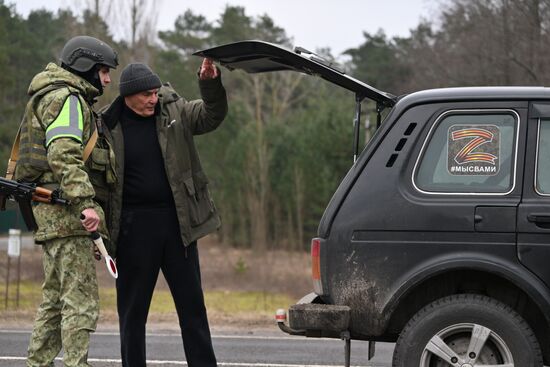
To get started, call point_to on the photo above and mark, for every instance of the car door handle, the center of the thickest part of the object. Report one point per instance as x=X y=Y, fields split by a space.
x=538 y=218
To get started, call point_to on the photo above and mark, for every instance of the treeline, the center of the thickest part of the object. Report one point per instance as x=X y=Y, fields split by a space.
x=287 y=140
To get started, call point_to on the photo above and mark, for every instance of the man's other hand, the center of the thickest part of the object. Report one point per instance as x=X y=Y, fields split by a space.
x=91 y=219
x=208 y=70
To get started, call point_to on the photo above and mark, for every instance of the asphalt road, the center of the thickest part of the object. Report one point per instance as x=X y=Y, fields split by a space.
x=165 y=349
x=269 y=349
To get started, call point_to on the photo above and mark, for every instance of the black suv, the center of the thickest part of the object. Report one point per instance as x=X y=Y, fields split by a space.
x=438 y=237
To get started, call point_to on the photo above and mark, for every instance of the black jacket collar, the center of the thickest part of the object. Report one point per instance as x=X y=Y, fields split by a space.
x=111 y=115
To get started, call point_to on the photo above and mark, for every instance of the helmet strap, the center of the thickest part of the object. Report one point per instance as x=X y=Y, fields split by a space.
x=91 y=76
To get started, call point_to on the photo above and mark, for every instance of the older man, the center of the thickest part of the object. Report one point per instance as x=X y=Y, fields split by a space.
x=162 y=204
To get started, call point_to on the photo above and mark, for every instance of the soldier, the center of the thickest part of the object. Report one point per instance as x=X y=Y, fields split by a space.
x=57 y=126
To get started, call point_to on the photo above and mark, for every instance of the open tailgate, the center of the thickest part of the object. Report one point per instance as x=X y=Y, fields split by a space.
x=259 y=57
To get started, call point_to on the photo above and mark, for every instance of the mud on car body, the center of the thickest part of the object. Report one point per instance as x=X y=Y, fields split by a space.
x=438 y=236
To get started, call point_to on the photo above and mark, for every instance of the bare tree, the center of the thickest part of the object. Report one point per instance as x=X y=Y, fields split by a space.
x=482 y=42
x=137 y=22
x=134 y=21
x=101 y=9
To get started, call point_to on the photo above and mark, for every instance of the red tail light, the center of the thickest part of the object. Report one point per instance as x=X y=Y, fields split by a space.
x=316 y=265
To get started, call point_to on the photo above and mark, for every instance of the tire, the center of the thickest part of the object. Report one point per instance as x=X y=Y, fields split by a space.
x=439 y=335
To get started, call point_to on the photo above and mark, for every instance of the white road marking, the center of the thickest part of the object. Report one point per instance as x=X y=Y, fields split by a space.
x=180 y=363
x=260 y=337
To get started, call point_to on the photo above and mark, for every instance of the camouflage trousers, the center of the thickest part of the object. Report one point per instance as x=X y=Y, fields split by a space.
x=70 y=304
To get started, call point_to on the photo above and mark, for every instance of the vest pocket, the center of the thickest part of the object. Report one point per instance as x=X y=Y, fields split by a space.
x=101 y=167
x=33 y=157
x=99 y=159
x=200 y=204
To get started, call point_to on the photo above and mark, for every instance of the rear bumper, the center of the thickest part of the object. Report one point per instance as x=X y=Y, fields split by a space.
x=310 y=317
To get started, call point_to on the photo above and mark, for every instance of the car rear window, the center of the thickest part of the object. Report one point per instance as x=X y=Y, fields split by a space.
x=542 y=177
x=469 y=152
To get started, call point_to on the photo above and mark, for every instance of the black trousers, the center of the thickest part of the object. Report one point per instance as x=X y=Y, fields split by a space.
x=150 y=240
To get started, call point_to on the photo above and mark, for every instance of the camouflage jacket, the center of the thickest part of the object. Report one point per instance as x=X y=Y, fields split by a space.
x=177 y=120
x=57 y=124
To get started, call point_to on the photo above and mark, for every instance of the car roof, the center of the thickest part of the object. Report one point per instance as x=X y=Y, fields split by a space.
x=475 y=93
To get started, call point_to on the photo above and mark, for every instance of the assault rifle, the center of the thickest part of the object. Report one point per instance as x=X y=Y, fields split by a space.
x=24 y=193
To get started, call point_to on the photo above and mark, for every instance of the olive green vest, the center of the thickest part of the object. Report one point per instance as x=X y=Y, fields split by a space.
x=32 y=165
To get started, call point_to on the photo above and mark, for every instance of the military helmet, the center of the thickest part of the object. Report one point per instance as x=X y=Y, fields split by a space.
x=82 y=53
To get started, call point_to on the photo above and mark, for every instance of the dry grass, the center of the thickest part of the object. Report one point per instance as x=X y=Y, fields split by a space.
x=242 y=288
x=223 y=306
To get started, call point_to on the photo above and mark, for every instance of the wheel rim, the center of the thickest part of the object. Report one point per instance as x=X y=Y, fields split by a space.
x=466 y=345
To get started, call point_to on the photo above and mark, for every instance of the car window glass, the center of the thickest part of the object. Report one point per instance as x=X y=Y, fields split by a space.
x=469 y=153
x=543 y=158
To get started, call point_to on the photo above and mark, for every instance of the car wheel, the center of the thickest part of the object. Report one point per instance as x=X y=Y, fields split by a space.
x=467 y=330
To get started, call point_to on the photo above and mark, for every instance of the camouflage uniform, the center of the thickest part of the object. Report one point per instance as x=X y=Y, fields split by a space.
x=57 y=125
x=69 y=308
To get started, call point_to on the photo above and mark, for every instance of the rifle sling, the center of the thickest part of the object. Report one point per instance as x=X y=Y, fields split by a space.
x=14 y=156
x=89 y=146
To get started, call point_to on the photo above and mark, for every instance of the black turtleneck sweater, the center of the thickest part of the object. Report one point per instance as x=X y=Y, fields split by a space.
x=145 y=181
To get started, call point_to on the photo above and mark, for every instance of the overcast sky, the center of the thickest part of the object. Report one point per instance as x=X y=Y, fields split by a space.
x=312 y=24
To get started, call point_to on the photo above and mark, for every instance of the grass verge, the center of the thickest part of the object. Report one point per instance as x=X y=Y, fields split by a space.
x=223 y=306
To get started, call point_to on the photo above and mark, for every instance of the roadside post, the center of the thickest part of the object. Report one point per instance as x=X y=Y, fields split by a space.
x=14 y=250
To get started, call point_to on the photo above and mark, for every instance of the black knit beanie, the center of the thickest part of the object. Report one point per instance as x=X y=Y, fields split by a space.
x=137 y=78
